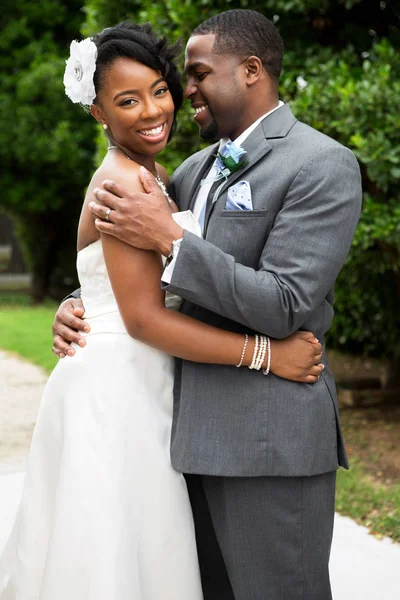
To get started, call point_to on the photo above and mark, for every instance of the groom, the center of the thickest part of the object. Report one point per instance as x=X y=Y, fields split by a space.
x=260 y=453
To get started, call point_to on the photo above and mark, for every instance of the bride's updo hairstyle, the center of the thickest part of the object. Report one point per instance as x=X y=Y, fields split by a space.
x=128 y=40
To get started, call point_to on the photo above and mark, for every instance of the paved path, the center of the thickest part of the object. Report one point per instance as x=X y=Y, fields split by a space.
x=362 y=567
x=21 y=386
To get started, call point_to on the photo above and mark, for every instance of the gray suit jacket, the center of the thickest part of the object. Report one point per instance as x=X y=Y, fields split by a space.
x=268 y=270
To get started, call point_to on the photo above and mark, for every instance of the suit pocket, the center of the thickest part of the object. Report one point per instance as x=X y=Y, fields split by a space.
x=245 y=214
x=241 y=233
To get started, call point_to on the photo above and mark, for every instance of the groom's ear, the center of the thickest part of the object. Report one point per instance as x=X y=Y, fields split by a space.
x=254 y=69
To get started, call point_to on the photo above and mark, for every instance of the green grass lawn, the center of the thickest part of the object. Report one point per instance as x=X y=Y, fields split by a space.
x=374 y=505
x=26 y=329
x=370 y=492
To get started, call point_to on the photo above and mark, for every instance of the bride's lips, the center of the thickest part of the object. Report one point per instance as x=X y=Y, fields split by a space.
x=155 y=134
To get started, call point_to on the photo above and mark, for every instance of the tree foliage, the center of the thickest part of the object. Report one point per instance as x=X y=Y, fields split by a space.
x=356 y=101
x=46 y=143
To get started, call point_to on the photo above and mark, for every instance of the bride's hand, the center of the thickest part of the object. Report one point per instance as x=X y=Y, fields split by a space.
x=67 y=324
x=297 y=357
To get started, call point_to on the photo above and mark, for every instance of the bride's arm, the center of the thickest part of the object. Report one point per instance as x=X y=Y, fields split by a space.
x=295 y=358
x=135 y=279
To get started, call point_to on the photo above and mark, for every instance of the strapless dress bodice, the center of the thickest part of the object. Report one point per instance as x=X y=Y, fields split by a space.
x=96 y=292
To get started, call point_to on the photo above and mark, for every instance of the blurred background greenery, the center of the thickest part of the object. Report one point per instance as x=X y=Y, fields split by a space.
x=341 y=75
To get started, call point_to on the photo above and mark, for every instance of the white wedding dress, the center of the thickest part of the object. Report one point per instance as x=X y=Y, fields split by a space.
x=103 y=515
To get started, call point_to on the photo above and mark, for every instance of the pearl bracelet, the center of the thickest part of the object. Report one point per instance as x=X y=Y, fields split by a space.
x=267 y=369
x=255 y=353
x=262 y=348
x=259 y=353
x=246 y=341
x=262 y=352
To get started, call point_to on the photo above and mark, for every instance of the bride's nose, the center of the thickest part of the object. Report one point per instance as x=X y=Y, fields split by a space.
x=151 y=109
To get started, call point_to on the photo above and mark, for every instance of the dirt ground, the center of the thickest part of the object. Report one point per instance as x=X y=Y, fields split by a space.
x=372 y=433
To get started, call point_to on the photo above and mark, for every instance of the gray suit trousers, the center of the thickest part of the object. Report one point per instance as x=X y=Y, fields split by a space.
x=274 y=535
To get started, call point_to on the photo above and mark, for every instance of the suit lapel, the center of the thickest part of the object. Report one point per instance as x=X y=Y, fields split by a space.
x=256 y=147
x=197 y=173
x=276 y=125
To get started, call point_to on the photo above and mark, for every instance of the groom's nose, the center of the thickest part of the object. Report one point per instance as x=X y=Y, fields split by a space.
x=190 y=88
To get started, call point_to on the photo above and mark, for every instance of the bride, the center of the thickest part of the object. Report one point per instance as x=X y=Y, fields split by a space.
x=103 y=515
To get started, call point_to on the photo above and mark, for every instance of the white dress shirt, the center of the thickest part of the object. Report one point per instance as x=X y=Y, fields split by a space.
x=204 y=190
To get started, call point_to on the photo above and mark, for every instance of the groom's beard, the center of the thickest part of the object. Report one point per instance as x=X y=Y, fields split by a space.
x=210 y=132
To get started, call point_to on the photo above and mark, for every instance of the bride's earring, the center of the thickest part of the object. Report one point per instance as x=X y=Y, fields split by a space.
x=105 y=126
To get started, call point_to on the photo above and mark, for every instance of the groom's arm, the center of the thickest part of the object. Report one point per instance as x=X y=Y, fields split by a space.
x=76 y=294
x=301 y=259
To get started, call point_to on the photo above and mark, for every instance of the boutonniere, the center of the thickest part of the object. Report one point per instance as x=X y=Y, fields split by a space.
x=229 y=160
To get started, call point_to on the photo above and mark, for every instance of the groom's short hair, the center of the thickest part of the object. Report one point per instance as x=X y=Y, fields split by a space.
x=246 y=33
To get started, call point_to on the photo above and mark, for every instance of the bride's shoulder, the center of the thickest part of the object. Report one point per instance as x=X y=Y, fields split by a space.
x=124 y=172
x=119 y=169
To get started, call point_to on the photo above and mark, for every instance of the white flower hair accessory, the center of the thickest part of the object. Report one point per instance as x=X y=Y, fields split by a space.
x=79 y=71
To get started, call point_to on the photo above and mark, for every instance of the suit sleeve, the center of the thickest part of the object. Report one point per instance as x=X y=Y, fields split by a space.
x=300 y=261
x=175 y=182
x=76 y=294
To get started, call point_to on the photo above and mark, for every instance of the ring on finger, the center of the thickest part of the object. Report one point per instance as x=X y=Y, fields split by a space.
x=108 y=215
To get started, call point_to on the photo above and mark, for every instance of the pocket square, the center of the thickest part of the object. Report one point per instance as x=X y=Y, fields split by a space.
x=239 y=197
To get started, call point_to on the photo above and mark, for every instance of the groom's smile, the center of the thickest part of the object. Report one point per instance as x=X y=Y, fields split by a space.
x=202 y=113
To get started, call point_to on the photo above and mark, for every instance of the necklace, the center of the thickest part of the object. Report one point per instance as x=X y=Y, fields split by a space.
x=158 y=179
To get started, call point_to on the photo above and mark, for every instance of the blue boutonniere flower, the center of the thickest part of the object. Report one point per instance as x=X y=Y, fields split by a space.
x=231 y=158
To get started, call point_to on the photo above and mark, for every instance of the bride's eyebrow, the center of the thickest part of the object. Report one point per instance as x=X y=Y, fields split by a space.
x=153 y=85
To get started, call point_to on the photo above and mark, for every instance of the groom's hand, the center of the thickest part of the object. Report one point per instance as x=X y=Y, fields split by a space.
x=142 y=220
x=67 y=324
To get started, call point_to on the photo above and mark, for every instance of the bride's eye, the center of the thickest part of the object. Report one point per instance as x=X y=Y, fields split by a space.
x=128 y=102
x=161 y=91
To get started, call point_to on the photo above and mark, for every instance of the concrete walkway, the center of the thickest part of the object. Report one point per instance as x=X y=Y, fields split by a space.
x=21 y=387
x=362 y=567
